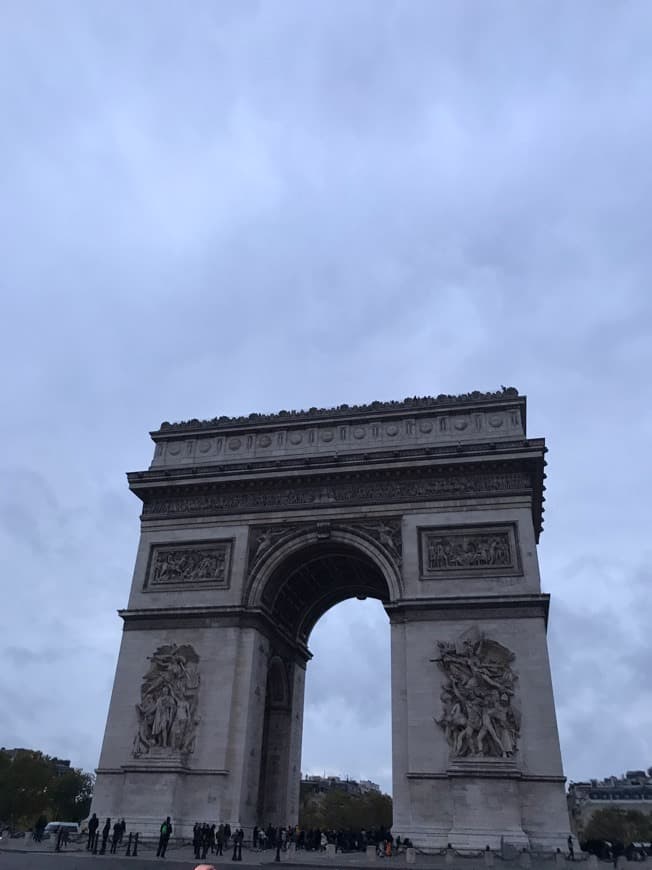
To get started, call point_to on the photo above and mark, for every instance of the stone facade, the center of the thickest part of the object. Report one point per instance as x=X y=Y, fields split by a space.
x=252 y=529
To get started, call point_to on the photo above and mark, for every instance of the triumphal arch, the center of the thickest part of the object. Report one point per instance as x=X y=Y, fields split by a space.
x=252 y=528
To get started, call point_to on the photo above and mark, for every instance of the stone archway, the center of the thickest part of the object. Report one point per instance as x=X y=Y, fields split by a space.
x=300 y=573
x=252 y=528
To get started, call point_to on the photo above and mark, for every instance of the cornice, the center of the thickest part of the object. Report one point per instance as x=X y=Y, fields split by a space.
x=184 y=494
x=170 y=618
x=479 y=606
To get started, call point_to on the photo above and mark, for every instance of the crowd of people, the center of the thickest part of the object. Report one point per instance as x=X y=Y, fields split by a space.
x=110 y=832
x=217 y=839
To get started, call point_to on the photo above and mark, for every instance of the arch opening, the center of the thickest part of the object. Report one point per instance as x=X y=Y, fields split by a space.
x=301 y=584
x=347 y=710
x=310 y=581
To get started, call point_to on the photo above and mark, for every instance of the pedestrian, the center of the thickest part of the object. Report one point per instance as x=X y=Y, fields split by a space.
x=205 y=840
x=166 y=832
x=116 y=837
x=93 y=825
x=106 y=830
x=219 y=840
x=571 y=851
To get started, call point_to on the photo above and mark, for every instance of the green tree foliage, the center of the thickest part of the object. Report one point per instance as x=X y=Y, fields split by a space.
x=335 y=809
x=31 y=786
x=70 y=796
x=619 y=826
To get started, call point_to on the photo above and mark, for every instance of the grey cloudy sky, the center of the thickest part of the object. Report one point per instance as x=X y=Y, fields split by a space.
x=213 y=208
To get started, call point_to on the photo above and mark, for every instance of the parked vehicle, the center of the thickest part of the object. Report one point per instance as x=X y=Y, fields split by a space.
x=53 y=828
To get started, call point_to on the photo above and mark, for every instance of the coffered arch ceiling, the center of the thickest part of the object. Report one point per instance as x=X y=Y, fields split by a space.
x=315 y=578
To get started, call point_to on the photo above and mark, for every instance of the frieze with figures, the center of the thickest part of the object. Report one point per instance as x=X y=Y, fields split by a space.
x=337 y=493
x=188 y=566
x=482 y=551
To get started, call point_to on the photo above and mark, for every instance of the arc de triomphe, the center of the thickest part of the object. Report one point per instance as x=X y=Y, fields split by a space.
x=252 y=528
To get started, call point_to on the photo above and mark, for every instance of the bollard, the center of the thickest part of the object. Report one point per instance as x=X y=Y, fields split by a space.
x=371 y=853
x=410 y=855
x=95 y=841
x=330 y=850
x=129 y=846
x=135 y=852
x=524 y=859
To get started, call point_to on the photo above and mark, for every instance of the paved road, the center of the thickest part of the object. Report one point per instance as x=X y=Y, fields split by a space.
x=22 y=855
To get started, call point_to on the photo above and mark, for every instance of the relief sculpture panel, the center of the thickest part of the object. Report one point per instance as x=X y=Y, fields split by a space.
x=484 y=551
x=479 y=714
x=187 y=566
x=167 y=712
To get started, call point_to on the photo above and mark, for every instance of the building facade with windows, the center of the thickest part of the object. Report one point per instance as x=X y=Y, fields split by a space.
x=633 y=791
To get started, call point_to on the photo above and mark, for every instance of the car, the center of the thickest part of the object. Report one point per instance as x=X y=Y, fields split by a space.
x=53 y=828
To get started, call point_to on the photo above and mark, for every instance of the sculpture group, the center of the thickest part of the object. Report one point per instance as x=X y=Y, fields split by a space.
x=479 y=717
x=167 y=719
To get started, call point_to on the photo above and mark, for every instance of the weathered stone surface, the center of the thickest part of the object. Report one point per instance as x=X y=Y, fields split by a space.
x=252 y=529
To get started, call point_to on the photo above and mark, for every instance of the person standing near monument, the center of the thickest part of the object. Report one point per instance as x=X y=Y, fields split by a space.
x=93 y=825
x=571 y=850
x=106 y=830
x=166 y=833
x=117 y=828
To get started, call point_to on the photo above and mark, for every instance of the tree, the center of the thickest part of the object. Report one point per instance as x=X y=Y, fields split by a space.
x=31 y=785
x=70 y=795
x=339 y=810
x=24 y=781
x=619 y=826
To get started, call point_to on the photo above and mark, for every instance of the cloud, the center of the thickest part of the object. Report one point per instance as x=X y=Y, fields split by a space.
x=265 y=205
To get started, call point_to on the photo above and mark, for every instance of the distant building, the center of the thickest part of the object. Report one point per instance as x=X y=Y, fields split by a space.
x=324 y=784
x=633 y=791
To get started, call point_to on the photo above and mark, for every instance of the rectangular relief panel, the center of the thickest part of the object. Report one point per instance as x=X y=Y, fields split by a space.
x=196 y=565
x=449 y=552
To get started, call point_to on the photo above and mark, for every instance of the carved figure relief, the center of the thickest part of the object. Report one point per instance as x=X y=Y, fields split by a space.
x=360 y=492
x=204 y=565
x=468 y=551
x=167 y=713
x=482 y=551
x=387 y=532
x=262 y=539
x=479 y=714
